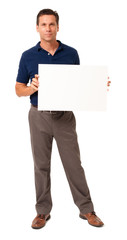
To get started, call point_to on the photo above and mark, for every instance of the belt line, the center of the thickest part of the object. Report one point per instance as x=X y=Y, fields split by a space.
x=51 y=112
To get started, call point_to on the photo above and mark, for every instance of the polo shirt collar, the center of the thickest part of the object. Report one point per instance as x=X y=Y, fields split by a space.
x=40 y=48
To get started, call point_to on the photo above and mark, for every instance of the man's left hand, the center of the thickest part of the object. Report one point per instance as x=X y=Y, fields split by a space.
x=108 y=84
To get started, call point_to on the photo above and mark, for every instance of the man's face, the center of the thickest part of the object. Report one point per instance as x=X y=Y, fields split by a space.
x=47 y=28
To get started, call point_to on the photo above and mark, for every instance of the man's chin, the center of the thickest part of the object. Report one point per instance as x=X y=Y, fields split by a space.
x=48 y=39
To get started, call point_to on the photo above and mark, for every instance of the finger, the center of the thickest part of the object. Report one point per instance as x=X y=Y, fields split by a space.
x=34 y=87
x=36 y=76
x=35 y=81
x=35 y=84
x=108 y=83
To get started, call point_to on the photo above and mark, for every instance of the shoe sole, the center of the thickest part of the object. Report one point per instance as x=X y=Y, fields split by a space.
x=44 y=224
x=89 y=223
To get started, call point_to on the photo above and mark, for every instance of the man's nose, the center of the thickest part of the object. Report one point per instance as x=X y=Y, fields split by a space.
x=48 y=28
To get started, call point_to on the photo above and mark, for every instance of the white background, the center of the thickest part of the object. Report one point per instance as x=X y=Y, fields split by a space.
x=97 y=29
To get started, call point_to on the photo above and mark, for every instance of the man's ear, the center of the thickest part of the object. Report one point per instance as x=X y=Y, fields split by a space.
x=57 y=28
x=37 y=28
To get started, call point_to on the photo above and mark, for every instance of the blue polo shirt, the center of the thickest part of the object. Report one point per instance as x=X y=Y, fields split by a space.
x=30 y=59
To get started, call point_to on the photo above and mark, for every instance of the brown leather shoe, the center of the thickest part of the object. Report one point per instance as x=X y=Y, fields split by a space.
x=40 y=221
x=92 y=219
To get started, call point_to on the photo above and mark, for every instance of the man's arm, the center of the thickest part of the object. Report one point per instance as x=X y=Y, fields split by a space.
x=23 y=90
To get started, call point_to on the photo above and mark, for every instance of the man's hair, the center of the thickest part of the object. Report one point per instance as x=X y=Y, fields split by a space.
x=47 y=12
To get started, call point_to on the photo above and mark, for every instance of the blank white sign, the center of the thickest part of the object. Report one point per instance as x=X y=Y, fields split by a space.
x=72 y=87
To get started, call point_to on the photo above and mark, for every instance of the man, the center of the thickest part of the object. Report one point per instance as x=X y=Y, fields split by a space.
x=46 y=125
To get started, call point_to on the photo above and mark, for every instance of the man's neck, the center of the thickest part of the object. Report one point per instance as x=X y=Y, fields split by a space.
x=49 y=46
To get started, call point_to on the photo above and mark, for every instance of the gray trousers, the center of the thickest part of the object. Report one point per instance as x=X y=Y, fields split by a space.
x=45 y=126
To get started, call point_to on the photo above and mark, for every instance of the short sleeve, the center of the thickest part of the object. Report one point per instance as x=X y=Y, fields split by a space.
x=77 y=60
x=22 y=76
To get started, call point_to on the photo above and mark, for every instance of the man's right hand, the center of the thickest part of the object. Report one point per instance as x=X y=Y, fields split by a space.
x=35 y=83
